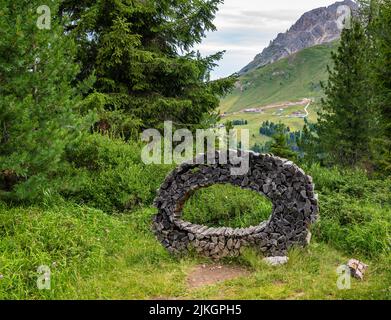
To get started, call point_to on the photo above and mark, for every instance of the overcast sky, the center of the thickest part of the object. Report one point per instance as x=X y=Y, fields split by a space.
x=245 y=28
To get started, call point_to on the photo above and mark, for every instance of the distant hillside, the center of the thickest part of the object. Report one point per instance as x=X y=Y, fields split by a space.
x=315 y=27
x=289 y=79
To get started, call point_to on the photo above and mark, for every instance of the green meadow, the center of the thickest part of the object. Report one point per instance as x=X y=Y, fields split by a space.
x=290 y=79
x=111 y=253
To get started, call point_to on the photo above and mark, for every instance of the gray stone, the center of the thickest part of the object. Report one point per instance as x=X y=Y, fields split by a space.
x=287 y=186
x=230 y=244
x=276 y=261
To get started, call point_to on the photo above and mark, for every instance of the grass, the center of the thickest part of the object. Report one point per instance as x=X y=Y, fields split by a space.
x=290 y=79
x=310 y=274
x=111 y=253
x=226 y=205
x=116 y=257
x=93 y=255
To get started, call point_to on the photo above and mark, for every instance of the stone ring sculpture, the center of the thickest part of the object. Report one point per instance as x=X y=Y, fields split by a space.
x=295 y=208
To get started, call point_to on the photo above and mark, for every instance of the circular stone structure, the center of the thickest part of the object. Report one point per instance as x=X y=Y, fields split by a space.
x=295 y=207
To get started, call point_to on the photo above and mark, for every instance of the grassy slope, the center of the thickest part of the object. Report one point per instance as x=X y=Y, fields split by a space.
x=118 y=258
x=94 y=255
x=290 y=79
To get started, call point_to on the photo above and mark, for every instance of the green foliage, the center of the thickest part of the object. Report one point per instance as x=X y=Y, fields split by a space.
x=354 y=125
x=37 y=117
x=108 y=174
x=279 y=146
x=140 y=53
x=347 y=118
x=227 y=206
x=355 y=211
x=379 y=31
x=133 y=50
x=239 y=122
x=308 y=144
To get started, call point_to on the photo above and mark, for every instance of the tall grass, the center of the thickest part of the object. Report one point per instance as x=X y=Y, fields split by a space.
x=226 y=205
x=93 y=254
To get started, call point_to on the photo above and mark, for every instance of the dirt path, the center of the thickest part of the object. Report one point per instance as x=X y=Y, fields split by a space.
x=204 y=275
x=283 y=105
x=306 y=110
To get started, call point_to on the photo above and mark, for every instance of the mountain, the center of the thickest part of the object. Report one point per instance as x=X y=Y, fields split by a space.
x=289 y=79
x=315 y=27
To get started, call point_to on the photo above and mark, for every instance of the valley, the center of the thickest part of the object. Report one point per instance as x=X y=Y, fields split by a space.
x=291 y=114
x=286 y=91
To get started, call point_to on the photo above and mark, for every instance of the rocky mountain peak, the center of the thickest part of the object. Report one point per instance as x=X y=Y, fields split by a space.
x=315 y=27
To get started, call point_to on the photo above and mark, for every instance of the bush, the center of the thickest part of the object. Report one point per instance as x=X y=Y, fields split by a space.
x=108 y=174
x=352 y=183
x=355 y=211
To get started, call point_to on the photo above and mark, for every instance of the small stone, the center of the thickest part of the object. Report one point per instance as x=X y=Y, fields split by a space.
x=230 y=244
x=276 y=261
x=203 y=244
x=308 y=238
x=357 y=268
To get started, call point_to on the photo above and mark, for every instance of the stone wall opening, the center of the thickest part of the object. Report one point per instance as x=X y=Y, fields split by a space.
x=225 y=205
x=295 y=208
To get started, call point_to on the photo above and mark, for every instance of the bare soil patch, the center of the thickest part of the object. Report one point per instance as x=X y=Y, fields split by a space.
x=205 y=275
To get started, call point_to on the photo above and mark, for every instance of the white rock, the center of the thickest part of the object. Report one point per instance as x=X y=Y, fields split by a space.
x=308 y=238
x=276 y=261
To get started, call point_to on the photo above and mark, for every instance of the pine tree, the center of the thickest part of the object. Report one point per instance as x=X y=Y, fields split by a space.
x=308 y=143
x=141 y=54
x=280 y=145
x=346 y=122
x=380 y=32
x=36 y=117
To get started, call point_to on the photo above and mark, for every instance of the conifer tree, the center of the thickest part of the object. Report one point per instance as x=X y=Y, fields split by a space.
x=36 y=116
x=141 y=54
x=280 y=146
x=380 y=33
x=346 y=121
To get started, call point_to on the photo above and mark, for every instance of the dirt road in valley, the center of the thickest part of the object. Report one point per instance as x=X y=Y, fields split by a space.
x=305 y=102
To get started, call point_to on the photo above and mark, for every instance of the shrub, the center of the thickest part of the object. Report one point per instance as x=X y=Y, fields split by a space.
x=108 y=174
x=355 y=211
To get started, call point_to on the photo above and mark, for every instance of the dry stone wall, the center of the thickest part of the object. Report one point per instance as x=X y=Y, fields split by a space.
x=295 y=208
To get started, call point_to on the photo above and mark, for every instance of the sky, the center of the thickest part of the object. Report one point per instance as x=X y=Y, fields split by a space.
x=246 y=27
